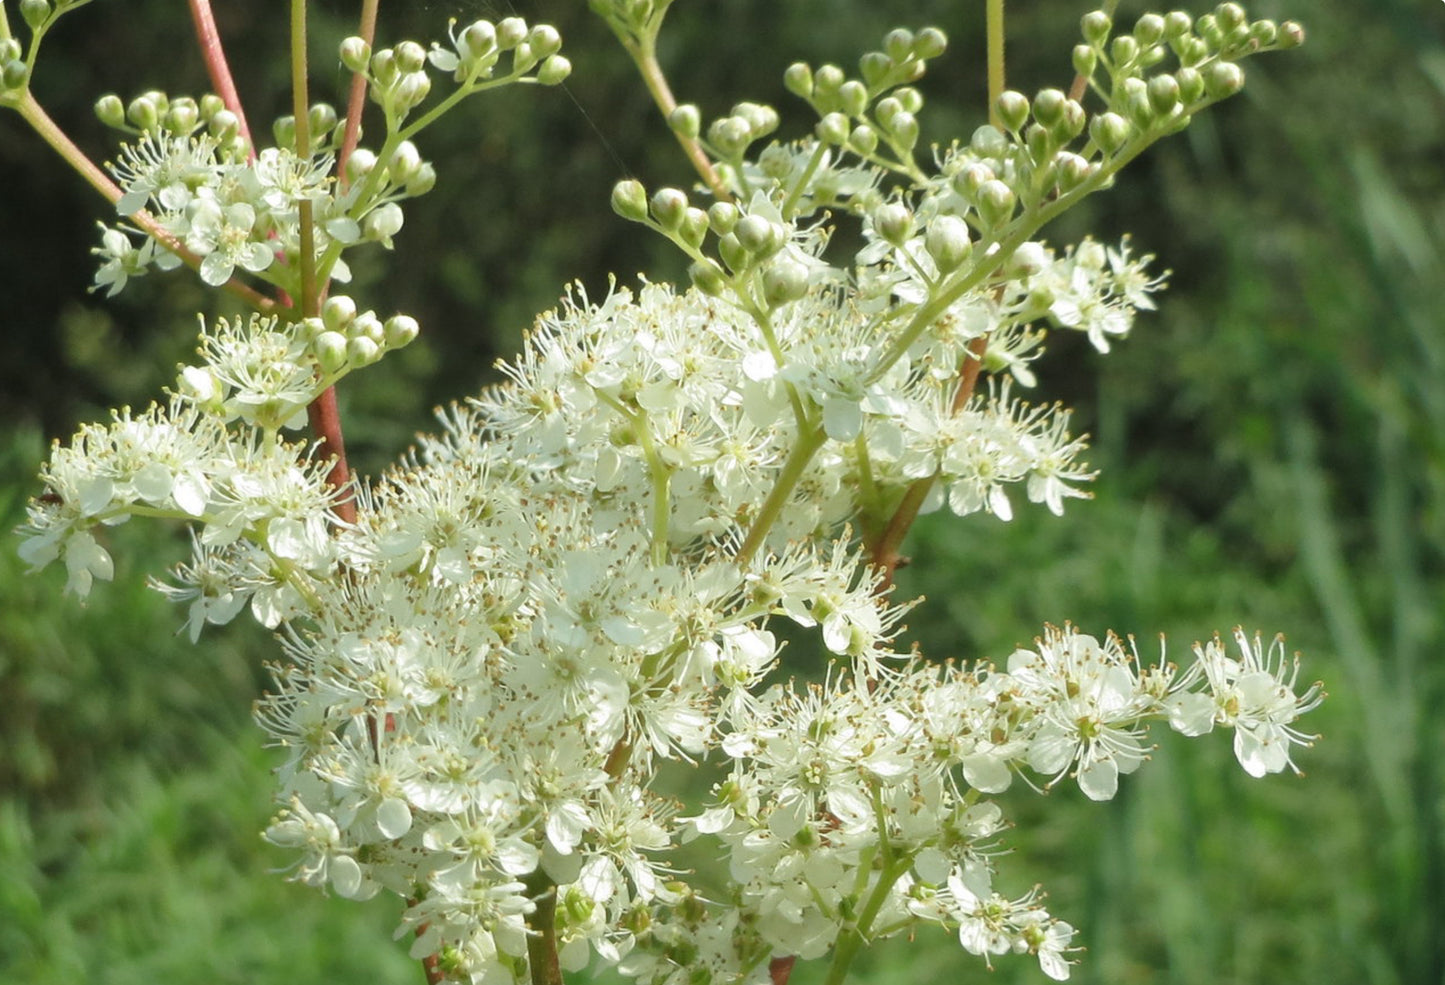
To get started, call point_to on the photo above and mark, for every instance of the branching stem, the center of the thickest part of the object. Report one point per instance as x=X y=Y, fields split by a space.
x=217 y=67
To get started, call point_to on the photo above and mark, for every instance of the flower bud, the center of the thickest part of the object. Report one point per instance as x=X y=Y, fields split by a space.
x=111 y=111
x=798 y=80
x=422 y=181
x=411 y=89
x=910 y=98
x=355 y=54
x=410 y=57
x=708 y=277
x=330 y=351
x=545 y=40
x=1229 y=15
x=1049 y=107
x=930 y=43
x=400 y=330
x=732 y=252
x=995 y=202
x=894 y=222
x=784 y=282
x=948 y=242
x=1095 y=27
x=283 y=131
x=905 y=129
x=1124 y=50
x=668 y=205
x=827 y=81
x=182 y=117
x=511 y=32
x=723 y=217
x=404 y=163
x=853 y=95
x=629 y=200
x=383 y=67
x=863 y=140
x=321 y=119
x=1040 y=144
x=1191 y=85
x=970 y=179
x=1222 y=79
x=1149 y=30
x=337 y=312
x=898 y=44
x=757 y=235
x=34 y=13
x=477 y=42
x=1072 y=171
x=833 y=129
x=1291 y=35
x=1029 y=259
x=362 y=352
x=1192 y=51
x=730 y=135
x=382 y=223
x=367 y=326
x=1209 y=29
x=989 y=141
x=143 y=113
x=1177 y=24
x=1013 y=109
x=1265 y=32
x=1086 y=59
x=875 y=66
x=685 y=121
x=1164 y=94
x=554 y=70
x=359 y=165
x=693 y=228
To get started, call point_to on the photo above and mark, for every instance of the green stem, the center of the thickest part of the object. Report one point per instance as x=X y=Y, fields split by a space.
x=644 y=55
x=808 y=444
x=994 y=29
x=310 y=300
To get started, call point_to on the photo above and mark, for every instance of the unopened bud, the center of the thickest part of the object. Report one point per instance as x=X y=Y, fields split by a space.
x=330 y=350
x=511 y=31
x=143 y=113
x=798 y=80
x=410 y=57
x=1265 y=32
x=355 y=54
x=668 y=205
x=1177 y=24
x=367 y=326
x=1291 y=35
x=1110 y=131
x=833 y=129
x=1013 y=109
x=708 y=277
x=422 y=181
x=947 y=241
x=629 y=200
x=1086 y=59
x=183 y=117
x=722 y=217
x=321 y=118
x=733 y=252
x=1164 y=93
x=359 y=165
x=1049 y=106
x=382 y=223
x=477 y=41
x=898 y=44
x=1149 y=30
x=905 y=129
x=545 y=40
x=685 y=121
x=828 y=80
x=34 y=13
x=693 y=228
x=894 y=222
x=995 y=202
x=1095 y=26
x=1072 y=171
x=1223 y=79
x=554 y=69
x=362 y=351
x=337 y=312
x=400 y=330
x=853 y=96
x=863 y=140
x=111 y=111
x=875 y=66
x=930 y=43
x=757 y=235
x=1124 y=50
x=989 y=141
x=784 y=282
x=1191 y=85
x=1229 y=15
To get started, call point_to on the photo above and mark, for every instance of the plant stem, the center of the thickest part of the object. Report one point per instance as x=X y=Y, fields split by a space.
x=1081 y=82
x=310 y=303
x=216 y=65
x=542 y=942
x=356 y=98
x=644 y=54
x=994 y=29
x=807 y=446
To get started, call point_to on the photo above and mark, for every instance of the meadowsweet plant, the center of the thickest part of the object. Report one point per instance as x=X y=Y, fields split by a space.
x=487 y=653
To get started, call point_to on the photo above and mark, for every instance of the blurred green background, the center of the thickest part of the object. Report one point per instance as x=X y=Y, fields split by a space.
x=1272 y=445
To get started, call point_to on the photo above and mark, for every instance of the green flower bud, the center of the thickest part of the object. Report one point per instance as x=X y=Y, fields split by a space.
x=111 y=111
x=708 y=277
x=1149 y=30
x=322 y=119
x=1086 y=59
x=948 y=242
x=545 y=40
x=1164 y=94
x=362 y=352
x=1177 y=24
x=338 y=312
x=693 y=228
x=784 y=282
x=511 y=32
x=330 y=351
x=412 y=89
x=477 y=42
x=1239 y=40
x=1192 y=51
x=970 y=179
x=668 y=206
x=733 y=253
x=143 y=113
x=853 y=97
x=629 y=200
x=930 y=43
x=827 y=81
x=1110 y=132
x=400 y=330
x=382 y=223
x=183 y=117
x=989 y=141
x=685 y=121
x=1223 y=79
x=894 y=222
x=10 y=50
x=554 y=69
x=523 y=58
x=1208 y=28
x=367 y=326
x=1265 y=32
x=995 y=202
x=1140 y=111
x=1013 y=109
x=1124 y=50
x=423 y=181
x=887 y=109
x=1191 y=85
x=35 y=13
x=359 y=165
x=383 y=67
x=757 y=235
x=1040 y=144
x=404 y=163
x=761 y=120
x=1071 y=124
x=910 y=98
x=355 y=54
x=410 y=57
x=283 y=131
x=863 y=140
x=14 y=75
x=1291 y=35
x=833 y=129
x=798 y=80
x=1095 y=26
x=898 y=45
x=905 y=129
x=1072 y=171
x=875 y=66
x=1049 y=106
x=723 y=217
x=730 y=135
x=1230 y=16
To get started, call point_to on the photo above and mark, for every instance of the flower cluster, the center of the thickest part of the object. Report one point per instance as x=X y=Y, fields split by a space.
x=584 y=575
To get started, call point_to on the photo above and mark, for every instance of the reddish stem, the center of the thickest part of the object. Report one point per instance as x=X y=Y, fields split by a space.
x=356 y=97
x=326 y=426
x=216 y=65
x=781 y=969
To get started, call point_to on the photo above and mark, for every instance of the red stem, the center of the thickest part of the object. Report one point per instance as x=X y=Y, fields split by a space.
x=356 y=98
x=781 y=969
x=216 y=66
